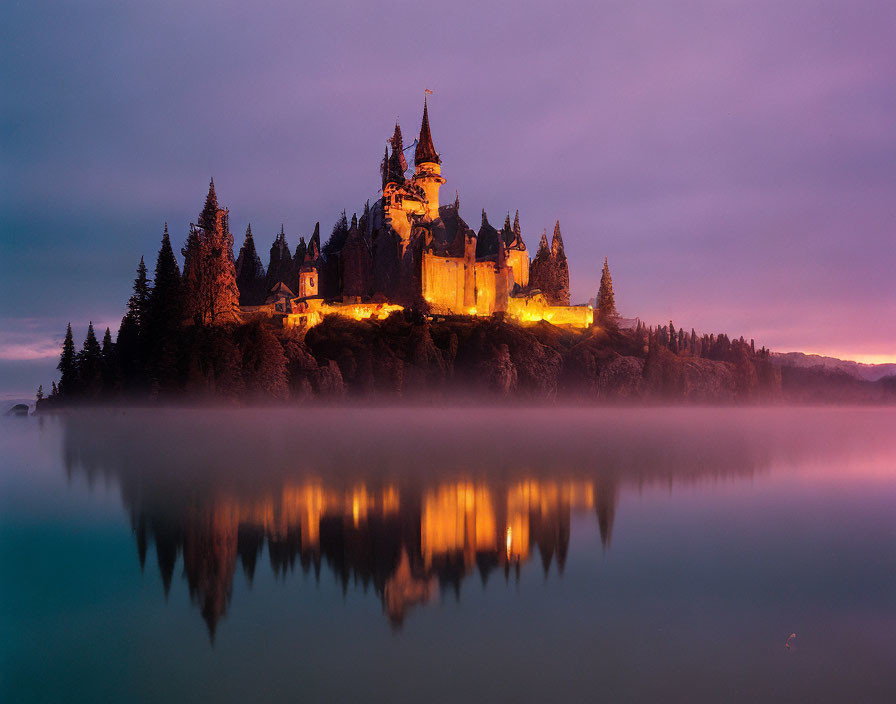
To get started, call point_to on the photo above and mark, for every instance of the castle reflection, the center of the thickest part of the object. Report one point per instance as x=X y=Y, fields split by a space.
x=407 y=545
x=362 y=505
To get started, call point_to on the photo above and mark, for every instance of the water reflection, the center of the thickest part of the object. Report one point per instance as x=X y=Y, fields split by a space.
x=379 y=500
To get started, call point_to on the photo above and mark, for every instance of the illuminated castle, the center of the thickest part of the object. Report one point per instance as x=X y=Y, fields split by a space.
x=410 y=251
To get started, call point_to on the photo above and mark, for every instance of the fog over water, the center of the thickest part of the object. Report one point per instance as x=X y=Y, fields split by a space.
x=486 y=554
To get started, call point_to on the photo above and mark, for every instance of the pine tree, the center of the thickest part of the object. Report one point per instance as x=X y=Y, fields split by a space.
x=54 y=391
x=208 y=218
x=250 y=272
x=606 y=300
x=110 y=371
x=40 y=393
x=68 y=365
x=138 y=304
x=561 y=268
x=280 y=263
x=90 y=365
x=210 y=293
x=133 y=335
x=338 y=236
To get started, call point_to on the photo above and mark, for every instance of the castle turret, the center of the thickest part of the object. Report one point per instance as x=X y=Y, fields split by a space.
x=428 y=174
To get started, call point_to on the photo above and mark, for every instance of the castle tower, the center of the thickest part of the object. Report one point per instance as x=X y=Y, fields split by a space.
x=428 y=173
x=307 y=281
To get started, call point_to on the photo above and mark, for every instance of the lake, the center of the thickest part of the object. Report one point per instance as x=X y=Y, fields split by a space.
x=447 y=555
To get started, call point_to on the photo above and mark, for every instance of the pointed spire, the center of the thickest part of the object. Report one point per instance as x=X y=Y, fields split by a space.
x=518 y=233
x=396 y=165
x=354 y=221
x=557 y=242
x=313 y=250
x=543 y=246
x=484 y=218
x=396 y=140
x=384 y=167
x=426 y=151
x=456 y=200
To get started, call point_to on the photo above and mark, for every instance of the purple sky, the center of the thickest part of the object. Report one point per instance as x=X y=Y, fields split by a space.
x=735 y=161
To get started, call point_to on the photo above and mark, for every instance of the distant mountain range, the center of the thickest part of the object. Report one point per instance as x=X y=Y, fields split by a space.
x=867 y=372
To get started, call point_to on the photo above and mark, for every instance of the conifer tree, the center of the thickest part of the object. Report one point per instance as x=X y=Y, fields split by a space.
x=54 y=392
x=110 y=372
x=561 y=268
x=40 y=393
x=250 y=273
x=138 y=305
x=133 y=333
x=90 y=365
x=68 y=365
x=280 y=263
x=164 y=300
x=606 y=300
x=208 y=218
x=210 y=293
x=338 y=236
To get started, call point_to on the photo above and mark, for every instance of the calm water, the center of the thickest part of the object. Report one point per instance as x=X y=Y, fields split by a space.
x=449 y=555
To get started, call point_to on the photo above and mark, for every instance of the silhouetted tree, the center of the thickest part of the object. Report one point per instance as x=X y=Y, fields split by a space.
x=250 y=273
x=132 y=338
x=109 y=358
x=90 y=365
x=40 y=393
x=606 y=300
x=166 y=315
x=68 y=365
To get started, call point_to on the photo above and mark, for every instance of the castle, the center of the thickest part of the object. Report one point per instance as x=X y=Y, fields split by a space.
x=409 y=251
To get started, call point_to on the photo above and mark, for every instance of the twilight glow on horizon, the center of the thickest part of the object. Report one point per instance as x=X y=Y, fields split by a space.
x=736 y=162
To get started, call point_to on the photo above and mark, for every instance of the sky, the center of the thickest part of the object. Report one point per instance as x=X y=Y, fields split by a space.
x=734 y=161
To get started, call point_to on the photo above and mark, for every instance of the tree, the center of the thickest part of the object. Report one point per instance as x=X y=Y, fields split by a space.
x=138 y=304
x=133 y=334
x=279 y=265
x=90 y=365
x=110 y=371
x=264 y=363
x=40 y=393
x=250 y=273
x=211 y=296
x=166 y=315
x=561 y=267
x=68 y=365
x=165 y=305
x=607 y=315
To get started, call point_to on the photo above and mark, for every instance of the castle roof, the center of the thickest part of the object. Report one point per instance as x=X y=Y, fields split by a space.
x=449 y=232
x=488 y=236
x=425 y=151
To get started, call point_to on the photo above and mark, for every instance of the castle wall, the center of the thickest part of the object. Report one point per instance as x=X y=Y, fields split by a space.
x=518 y=261
x=534 y=308
x=310 y=312
x=485 y=288
x=443 y=283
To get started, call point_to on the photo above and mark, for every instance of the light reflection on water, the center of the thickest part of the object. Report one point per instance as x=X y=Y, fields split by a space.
x=654 y=553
